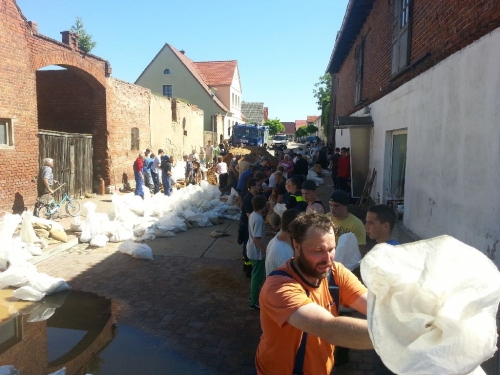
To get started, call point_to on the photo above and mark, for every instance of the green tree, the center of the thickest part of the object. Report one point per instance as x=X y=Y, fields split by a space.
x=311 y=129
x=301 y=132
x=322 y=93
x=85 y=42
x=275 y=126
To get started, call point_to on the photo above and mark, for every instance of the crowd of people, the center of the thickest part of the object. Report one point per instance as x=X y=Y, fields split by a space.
x=295 y=282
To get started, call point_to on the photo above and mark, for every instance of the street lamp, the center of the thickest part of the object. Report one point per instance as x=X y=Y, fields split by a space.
x=212 y=94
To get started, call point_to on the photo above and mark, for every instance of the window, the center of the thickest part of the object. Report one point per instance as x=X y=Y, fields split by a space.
x=6 y=133
x=134 y=135
x=401 y=27
x=167 y=91
x=359 y=56
x=166 y=71
x=398 y=165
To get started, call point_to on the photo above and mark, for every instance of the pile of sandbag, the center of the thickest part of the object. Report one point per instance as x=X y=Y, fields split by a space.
x=158 y=216
x=432 y=306
x=15 y=254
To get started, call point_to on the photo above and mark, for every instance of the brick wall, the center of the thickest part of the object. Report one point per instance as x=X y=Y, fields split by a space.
x=440 y=28
x=18 y=103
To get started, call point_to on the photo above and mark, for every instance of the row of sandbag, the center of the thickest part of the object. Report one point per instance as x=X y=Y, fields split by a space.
x=159 y=216
x=15 y=254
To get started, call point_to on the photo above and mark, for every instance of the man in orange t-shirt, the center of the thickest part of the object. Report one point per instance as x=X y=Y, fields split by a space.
x=296 y=300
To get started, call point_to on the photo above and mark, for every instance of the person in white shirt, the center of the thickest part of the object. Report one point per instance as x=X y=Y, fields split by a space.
x=156 y=171
x=279 y=249
x=221 y=170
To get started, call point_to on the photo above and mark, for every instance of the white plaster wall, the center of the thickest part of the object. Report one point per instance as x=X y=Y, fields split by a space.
x=452 y=113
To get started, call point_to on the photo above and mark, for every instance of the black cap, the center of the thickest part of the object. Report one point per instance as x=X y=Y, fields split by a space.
x=340 y=197
x=309 y=185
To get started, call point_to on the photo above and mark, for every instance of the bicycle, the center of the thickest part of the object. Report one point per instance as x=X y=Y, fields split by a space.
x=53 y=209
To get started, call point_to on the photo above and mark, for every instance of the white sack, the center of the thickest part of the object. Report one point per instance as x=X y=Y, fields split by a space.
x=76 y=224
x=47 y=284
x=33 y=249
x=27 y=293
x=17 y=275
x=10 y=223
x=431 y=306
x=117 y=232
x=99 y=241
x=279 y=208
x=59 y=372
x=136 y=250
x=28 y=234
x=231 y=197
x=347 y=251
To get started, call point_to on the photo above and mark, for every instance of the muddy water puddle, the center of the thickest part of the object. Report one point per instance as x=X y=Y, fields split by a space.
x=78 y=331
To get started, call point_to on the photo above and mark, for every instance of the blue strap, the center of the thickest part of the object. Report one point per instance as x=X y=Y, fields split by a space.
x=301 y=352
x=333 y=288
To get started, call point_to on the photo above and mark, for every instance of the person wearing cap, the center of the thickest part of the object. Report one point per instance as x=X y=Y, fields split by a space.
x=311 y=197
x=344 y=221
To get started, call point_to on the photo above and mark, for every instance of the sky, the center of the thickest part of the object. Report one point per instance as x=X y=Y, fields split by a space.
x=282 y=46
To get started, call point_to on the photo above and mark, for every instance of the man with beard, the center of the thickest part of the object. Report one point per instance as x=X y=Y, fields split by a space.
x=299 y=317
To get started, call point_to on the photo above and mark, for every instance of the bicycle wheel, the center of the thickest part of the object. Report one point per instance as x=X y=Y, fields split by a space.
x=44 y=212
x=73 y=208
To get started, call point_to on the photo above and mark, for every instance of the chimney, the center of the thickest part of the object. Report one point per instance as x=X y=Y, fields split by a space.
x=34 y=27
x=182 y=51
x=70 y=38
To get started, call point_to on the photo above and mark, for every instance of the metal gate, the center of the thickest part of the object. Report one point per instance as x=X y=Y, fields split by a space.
x=72 y=154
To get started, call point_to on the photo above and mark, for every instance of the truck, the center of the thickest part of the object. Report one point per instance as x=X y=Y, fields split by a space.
x=280 y=142
x=250 y=134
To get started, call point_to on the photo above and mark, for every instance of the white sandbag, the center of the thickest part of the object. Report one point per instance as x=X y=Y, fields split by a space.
x=27 y=293
x=96 y=224
x=76 y=224
x=117 y=232
x=163 y=234
x=136 y=250
x=88 y=208
x=27 y=233
x=171 y=222
x=8 y=370
x=431 y=306
x=279 y=208
x=19 y=256
x=33 y=249
x=47 y=284
x=347 y=251
x=149 y=235
x=3 y=264
x=10 y=223
x=17 y=275
x=200 y=220
x=99 y=241
x=231 y=197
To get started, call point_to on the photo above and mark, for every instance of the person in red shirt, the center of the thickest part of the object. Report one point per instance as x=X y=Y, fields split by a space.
x=139 y=177
x=344 y=170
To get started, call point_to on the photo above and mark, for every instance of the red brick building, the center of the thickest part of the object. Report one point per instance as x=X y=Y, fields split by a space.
x=91 y=124
x=415 y=88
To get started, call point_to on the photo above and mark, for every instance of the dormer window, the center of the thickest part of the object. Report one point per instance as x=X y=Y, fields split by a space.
x=166 y=71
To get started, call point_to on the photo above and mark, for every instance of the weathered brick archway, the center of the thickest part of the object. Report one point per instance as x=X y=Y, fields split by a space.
x=72 y=100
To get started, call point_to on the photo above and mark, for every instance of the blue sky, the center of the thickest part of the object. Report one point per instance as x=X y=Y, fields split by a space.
x=282 y=46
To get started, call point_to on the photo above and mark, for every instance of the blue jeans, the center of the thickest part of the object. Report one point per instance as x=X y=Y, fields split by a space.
x=156 y=181
x=167 y=183
x=138 y=184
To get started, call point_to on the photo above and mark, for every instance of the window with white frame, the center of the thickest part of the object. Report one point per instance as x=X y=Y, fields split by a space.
x=6 y=133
